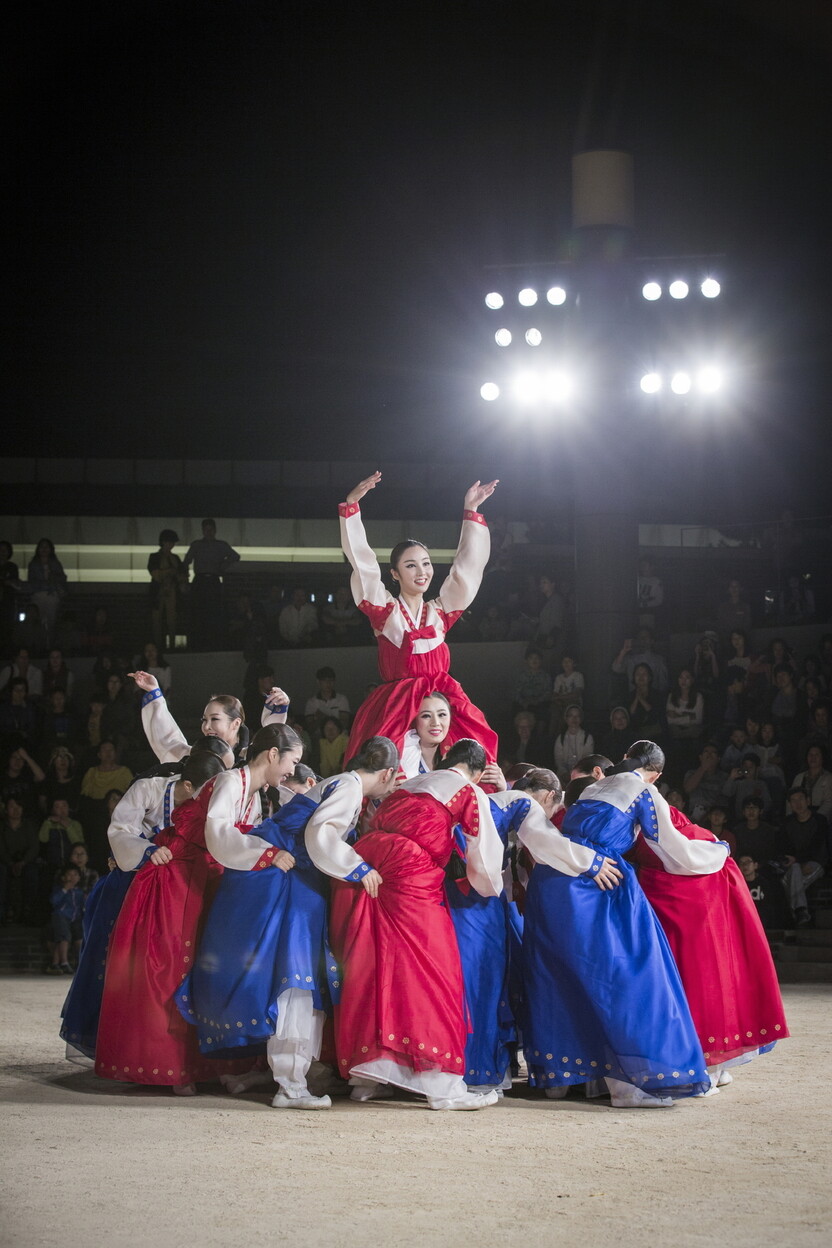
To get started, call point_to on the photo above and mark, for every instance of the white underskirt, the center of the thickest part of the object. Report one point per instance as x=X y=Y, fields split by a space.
x=436 y=1084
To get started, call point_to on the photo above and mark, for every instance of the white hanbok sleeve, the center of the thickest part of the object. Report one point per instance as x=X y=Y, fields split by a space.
x=161 y=729
x=132 y=823
x=484 y=852
x=459 y=588
x=679 y=855
x=336 y=815
x=546 y=843
x=273 y=714
x=366 y=583
x=241 y=851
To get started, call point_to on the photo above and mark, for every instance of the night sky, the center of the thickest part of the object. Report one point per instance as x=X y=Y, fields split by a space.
x=261 y=230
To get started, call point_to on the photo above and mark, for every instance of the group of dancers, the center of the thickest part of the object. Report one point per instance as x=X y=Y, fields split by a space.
x=418 y=920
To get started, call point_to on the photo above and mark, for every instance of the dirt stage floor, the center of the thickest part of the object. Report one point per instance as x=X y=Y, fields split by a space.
x=87 y=1163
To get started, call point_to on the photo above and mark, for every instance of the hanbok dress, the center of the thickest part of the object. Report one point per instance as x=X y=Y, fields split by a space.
x=603 y=995
x=142 y=1037
x=143 y=811
x=413 y=657
x=264 y=974
x=720 y=948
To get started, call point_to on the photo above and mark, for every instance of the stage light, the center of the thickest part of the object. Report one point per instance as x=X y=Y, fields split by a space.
x=651 y=291
x=490 y=391
x=710 y=288
x=527 y=297
x=651 y=383
x=556 y=295
x=680 y=383
x=534 y=337
x=709 y=380
x=678 y=290
x=527 y=388
x=558 y=387
x=503 y=337
x=494 y=300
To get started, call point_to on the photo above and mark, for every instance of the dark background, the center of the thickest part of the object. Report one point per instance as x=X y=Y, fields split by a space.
x=262 y=230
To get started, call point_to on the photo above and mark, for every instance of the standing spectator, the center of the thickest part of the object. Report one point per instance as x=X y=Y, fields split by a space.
x=58 y=833
x=211 y=558
x=805 y=842
x=299 y=620
x=650 y=593
x=797 y=602
x=786 y=706
x=247 y=630
x=167 y=577
x=816 y=782
x=19 y=848
x=9 y=590
x=341 y=619
x=67 y=901
x=327 y=703
x=21 y=666
x=706 y=669
x=550 y=619
x=734 y=612
x=47 y=583
x=640 y=652
x=571 y=745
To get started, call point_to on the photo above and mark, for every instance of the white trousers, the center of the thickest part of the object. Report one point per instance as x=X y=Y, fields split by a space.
x=296 y=1043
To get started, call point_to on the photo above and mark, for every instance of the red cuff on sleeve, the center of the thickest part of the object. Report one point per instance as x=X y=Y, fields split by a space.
x=265 y=860
x=476 y=516
x=348 y=509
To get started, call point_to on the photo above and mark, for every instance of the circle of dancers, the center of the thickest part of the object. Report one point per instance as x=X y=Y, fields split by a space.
x=420 y=921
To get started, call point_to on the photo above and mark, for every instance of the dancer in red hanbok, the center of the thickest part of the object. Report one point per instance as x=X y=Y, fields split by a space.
x=413 y=658
x=142 y=1038
x=724 y=960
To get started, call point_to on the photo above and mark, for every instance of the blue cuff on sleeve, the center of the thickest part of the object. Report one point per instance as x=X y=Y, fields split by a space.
x=358 y=873
x=151 y=696
x=151 y=849
x=597 y=864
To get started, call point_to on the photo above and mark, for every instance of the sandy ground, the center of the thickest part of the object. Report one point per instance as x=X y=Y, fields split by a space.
x=86 y=1163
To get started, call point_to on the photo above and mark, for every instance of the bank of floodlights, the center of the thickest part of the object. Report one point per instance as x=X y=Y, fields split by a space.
x=679 y=288
x=707 y=380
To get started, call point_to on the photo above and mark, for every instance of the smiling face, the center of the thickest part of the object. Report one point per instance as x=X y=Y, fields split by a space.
x=281 y=766
x=414 y=571
x=433 y=721
x=217 y=723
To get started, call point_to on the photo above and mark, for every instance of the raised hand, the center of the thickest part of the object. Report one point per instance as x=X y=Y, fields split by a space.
x=478 y=493
x=369 y=483
x=144 y=680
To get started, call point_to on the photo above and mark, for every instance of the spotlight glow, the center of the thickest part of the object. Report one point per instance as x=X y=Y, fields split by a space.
x=490 y=391
x=527 y=297
x=709 y=379
x=494 y=300
x=503 y=337
x=534 y=337
x=558 y=387
x=680 y=383
x=527 y=388
x=556 y=295
x=710 y=288
x=678 y=290
x=651 y=383
x=651 y=291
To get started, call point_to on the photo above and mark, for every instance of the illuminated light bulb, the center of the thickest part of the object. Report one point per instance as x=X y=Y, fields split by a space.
x=651 y=383
x=527 y=297
x=709 y=380
x=651 y=291
x=678 y=290
x=710 y=288
x=503 y=337
x=490 y=391
x=680 y=383
x=494 y=300
x=534 y=337
x=556 y=295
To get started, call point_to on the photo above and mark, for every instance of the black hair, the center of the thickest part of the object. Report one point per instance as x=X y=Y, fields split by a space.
x=468 y=752
x=215 y=746
x=325 y=673
x=517 y=771
x=648 y=755
x=575 y=788
x=8 y=547
x=537 y=779
x=797 y=789
x=273 y=737
x=589 y=762
x=675 y=695
x=168 y=535
x=824 y=755
x=399 y=549
x=208 y=520
x=375 y=754
x=302 y=773
x=201 y=767
x=751 y=800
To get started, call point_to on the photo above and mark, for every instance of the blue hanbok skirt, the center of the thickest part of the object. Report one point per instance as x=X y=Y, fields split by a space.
x=82 y=1006
x=482 y=933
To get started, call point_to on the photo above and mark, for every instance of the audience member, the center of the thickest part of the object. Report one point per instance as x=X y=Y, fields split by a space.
x=167 y=577
x=766 y=892
x=67 y=901
x=533 y=690
x=637 y=653
x=57 y=675
x=754 y=837
x=816 y=781
x=46 y=583
x=327 y=703
x=331 y=747
x=703 y=784
x=118 y=717
x=99 y=781
x=796 y=604
x=618 y=740
x=153 y=660
x=567 y=690
x=18 y=718
x=99 y=636
x=734 y=612
x=21 y=779
x=59 y=724
x=804 y=840
x=527 y=744
x=744 y=781
x=21 y=666
x=211 y=558
x=343 y=623
x=10 y=588
x=58 y=833
x=571 y=745
x=717 y=822
x=61 y=780
x=78 y=857
x=19 y=849
x=550 y=617
x=645 y=706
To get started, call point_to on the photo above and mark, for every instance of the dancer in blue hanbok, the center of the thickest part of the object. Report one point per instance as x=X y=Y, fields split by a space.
x=264 y=975
x=603 y=994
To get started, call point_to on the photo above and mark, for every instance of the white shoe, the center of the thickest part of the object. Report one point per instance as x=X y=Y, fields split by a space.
x=237 y=1084
x=281 y=1101
x=556 y=1094
x=713 y=1090
x=184 y=1089
x=371 y=1092
x=642 y=1100
x=725 y=1077
x=469 y=1100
